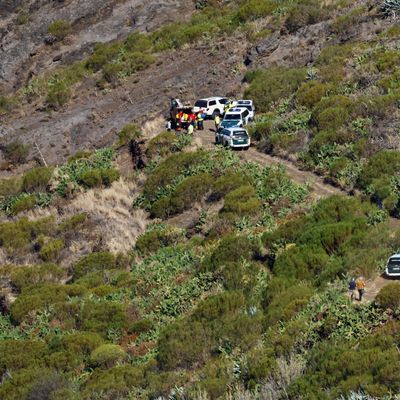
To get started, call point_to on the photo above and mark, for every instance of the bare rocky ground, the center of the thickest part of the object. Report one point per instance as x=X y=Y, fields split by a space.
x=22 y=46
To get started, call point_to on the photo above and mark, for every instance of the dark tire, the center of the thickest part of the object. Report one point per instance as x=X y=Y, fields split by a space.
x=246 y=148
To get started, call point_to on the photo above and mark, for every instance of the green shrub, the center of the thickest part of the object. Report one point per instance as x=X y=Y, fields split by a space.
x=22 y=276
x=288 y=303
x=23 y=203
x=91 y=178
x=168 y=170
x=94 y=262
x=333 y=112
x=162 y=145
x=79 y=155
x=127 y=133
x=82 y=343
x=384 y=163
x=269 y=86
x=108 y=176
x=58 y=94
x=217 y=321
x=50 y=251
x=389 y=296
x=103 y=53
x=310 y=93
x=307 y=12
x=36 y=298
x=343 y=24
x=231 y=249
x=10 y=187
x=103 y=317
x=154 y=239
x=113 y=383
x=71 y=223
x=387 y=61
x=242 y=202
x=107 y=355
x=60 y=29
x=18 y=235
x=227 y=183
x=254 y=9
x=37 y=179
x=16 y=152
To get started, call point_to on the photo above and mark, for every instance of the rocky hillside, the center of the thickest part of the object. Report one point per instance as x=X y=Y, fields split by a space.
x=140 y=264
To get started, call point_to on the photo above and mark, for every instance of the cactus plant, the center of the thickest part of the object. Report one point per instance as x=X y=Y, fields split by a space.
x=390 y=8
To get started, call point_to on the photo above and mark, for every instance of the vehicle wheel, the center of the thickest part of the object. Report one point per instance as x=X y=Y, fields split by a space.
x=246 y=148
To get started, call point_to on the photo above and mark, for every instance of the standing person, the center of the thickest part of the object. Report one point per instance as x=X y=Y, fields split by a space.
x=352 y=288
x=217 y=121
x=200 y=119
x=360 y=284
x=168 y=125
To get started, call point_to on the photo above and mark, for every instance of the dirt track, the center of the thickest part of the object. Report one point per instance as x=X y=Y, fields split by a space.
x=316 y=184
x=318 y=187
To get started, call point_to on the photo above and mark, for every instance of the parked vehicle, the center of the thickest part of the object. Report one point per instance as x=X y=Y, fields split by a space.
x=241 y=114
x=212 y=106
x=249 y=105
x=235 y=138
x=393 y=266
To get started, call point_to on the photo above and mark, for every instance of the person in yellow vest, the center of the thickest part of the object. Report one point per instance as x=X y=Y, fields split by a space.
x=200 y=121
x=217 y=121
x=360 y=284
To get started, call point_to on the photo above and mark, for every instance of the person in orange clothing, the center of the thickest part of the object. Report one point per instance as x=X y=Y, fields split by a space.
x=360 y=284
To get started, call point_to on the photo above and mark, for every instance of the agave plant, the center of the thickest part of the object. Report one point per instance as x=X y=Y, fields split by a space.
x=391 y=8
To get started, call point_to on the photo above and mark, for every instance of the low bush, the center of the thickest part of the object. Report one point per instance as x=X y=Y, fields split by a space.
x=115 y=383
x=10 y=187
x=389 y=296
x=332 y=112
x=16 y=152
x=154 y=239
x=188 y=192
x=22 y=277
x=94 y=262
x=162 y=145
x=242 y=202
x=127 y=133
x=16 y=236
x=37 y=179
x=72 y=223
x=101 y=317
x=307 y=12
x=50 y=251
x=227 y=183
x=107 y=355
x=79 y=155
x=23 y=203
x=168 y=170
x=269 y=86
x=60 y=29
x=310 y=93
x=58 y=94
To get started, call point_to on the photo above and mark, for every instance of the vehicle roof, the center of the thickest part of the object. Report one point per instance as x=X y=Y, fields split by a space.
x=395 y=255
x=235 y=128
x=211 y=98
x=245 y=101
x=235 y=110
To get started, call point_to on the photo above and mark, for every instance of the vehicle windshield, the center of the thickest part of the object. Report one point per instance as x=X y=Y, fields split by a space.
x=240 y=133
x=200 y=104
x=232 y=116
x=394 y=262
x=223 y=101
x=231 y=122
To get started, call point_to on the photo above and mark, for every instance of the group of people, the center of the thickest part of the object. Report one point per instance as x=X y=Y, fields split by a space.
x=188 y=121
x=358 y=284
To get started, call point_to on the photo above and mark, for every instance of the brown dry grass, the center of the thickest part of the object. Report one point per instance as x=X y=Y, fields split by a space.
x=111 y=212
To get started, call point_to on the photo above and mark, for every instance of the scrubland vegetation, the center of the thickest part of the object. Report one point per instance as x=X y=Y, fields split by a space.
x=254 y=288
x=248 y=299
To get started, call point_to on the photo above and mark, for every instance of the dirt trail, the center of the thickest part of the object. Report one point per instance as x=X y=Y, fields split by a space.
x=318 y=187
x=316 y=184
